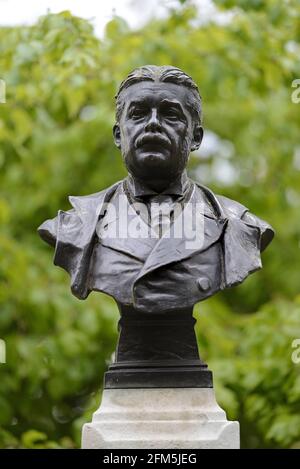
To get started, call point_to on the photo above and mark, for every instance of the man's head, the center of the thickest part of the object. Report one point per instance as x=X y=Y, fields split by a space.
x=158 y=122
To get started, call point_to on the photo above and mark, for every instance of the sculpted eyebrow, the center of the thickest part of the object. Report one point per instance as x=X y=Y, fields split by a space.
x=172 y=103
x=136 y=103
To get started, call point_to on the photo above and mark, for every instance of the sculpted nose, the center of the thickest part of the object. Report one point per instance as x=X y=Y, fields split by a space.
x=153 y=123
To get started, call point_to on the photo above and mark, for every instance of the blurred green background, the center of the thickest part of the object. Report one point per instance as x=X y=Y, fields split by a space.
x=56 y=140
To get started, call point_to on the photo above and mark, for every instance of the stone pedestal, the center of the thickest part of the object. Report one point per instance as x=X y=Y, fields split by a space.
x=158 y=393
x=158 y=419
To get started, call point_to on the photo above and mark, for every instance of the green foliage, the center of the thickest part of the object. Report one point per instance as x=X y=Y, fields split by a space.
x=255 y=378
x=55 y=140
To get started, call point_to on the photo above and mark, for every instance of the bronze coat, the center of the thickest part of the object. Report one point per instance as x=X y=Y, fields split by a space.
x=167 y=274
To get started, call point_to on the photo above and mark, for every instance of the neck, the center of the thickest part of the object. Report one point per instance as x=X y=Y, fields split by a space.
x=157 y=185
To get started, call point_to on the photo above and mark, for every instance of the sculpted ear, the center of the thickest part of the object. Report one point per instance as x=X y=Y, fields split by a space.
x=117 y=135
x=197 y=137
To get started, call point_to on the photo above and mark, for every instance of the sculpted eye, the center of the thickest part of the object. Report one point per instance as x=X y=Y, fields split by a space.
x=171 y=113
x=137 y=113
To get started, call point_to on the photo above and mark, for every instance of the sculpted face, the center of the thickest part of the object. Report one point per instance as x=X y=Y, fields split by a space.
x=156 y=131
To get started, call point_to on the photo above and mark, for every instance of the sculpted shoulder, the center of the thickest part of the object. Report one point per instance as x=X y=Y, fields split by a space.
x=231 y=207
x=237 y=210
x=85 y=209
x=226 y=208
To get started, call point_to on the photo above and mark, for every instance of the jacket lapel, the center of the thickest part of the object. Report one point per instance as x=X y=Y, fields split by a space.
x=180 y=242
x=124 y=230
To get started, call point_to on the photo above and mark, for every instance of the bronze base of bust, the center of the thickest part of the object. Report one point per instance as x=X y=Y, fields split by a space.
x=157 y=351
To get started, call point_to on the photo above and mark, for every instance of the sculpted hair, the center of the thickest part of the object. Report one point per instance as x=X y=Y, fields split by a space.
x=163 y=74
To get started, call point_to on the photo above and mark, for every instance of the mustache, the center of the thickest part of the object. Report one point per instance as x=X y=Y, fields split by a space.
x=151 y=138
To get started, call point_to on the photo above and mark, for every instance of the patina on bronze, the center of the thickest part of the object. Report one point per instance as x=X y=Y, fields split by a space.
x=156 y=281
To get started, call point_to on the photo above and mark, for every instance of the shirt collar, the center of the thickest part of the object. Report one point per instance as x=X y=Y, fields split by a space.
x=177 y=187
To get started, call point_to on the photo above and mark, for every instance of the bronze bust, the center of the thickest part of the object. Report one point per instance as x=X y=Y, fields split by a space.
x=155 y=276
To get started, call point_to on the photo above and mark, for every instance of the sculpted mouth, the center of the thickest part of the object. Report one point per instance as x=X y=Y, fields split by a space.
x=153 y=142
x=153 y=146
